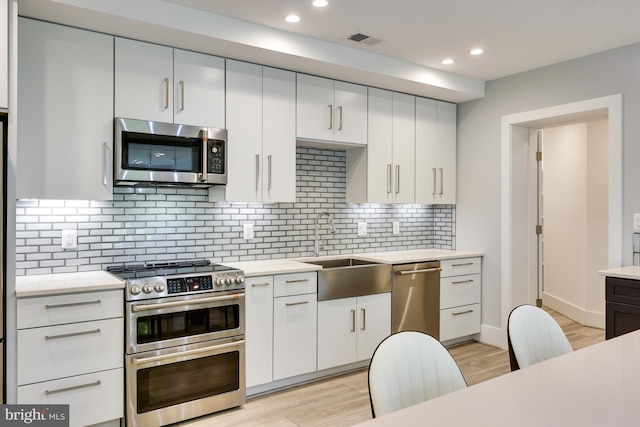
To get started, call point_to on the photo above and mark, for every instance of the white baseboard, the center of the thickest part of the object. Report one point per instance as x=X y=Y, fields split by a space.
x=579 y=315
x=493 y=336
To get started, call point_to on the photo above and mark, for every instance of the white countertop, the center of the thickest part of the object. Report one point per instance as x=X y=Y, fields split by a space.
x=298 y=265
x=630 y=272
x=52 y=284
x=595 y=386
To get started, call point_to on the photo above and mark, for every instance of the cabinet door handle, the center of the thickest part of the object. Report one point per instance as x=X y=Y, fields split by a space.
x=462 y=312
x=181 y=84
x=340 y=118
x=353 y=320
x=105 y=164
x=297 y=281
x=166 y=93
x=461 y=282
x=73 y=334
x=260 y=285
x=364 y=319
x=289 y=304
x=72 y=304
x=397 y=179
x=75 y=387
x=441 y=181
x=257 y=171
x=434 y=182
x=269 y=175
x=330 y=116
x=388 y=178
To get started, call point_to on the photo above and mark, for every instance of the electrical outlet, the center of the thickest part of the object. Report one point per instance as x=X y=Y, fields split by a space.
x=362 y=229
x=396 y=227
x=69 y=239
x=248 y=231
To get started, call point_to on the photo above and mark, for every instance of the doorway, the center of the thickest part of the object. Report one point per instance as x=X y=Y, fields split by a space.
x=571 y=162
x=518 y=272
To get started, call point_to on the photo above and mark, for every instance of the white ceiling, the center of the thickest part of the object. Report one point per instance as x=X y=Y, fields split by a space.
x=516 y=35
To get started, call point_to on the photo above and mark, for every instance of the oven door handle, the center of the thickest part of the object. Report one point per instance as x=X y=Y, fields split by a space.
x=147 y=307
x=143 y=360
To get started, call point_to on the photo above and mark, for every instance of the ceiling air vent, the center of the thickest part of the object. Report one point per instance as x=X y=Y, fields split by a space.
x=364 y=39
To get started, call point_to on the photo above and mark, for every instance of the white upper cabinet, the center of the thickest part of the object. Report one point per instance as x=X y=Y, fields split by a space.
x=261 y=128
x=436 y=150
x=4 y=54
x=391 y=148
x=65 y=113
x=163 y=84
x=329 y=110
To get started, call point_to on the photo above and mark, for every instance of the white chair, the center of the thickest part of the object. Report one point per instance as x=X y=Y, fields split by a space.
x=533 y=337
x=410 y=367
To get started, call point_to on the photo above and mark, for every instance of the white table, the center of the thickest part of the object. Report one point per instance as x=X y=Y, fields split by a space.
x=595 y=386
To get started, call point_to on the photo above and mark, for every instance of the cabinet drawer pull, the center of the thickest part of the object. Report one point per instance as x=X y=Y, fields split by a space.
x=461 y=282
x=462 y=312
x=75 y=387
x=297 y=281
x=259 y=285
x=462 y=265
x=72 y=304
x=289 y=304
x=73 y=334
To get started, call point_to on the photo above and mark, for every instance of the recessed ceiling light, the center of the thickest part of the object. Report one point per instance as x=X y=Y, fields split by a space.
x=448 y=61
x=319 y=3
x=476 y=51
x=292 y=18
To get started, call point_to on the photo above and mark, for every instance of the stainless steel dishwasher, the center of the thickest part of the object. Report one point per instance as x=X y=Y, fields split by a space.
x=415 y=298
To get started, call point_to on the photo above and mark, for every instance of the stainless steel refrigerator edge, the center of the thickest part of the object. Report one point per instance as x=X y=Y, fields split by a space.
x=415 y=298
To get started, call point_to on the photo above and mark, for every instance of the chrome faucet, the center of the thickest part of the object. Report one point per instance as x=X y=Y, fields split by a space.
x=316 y=245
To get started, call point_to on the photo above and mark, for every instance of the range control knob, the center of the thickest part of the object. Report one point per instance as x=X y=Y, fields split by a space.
x=239 y=279
x=147 y=288
x=135 y=289
x=230 y=280
x=220 y=281
x=159 y=287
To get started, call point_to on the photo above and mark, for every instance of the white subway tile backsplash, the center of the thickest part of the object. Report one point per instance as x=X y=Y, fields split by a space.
x=164 y=224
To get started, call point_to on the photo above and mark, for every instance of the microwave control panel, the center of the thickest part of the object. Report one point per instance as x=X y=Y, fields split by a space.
x=215 y=156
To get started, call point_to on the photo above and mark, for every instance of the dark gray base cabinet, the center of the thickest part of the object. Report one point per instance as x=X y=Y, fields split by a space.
x=623 y=306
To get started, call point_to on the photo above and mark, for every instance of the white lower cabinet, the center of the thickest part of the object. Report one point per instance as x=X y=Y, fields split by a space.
x=350 y=329
x=259 y=330
x=70 y=350
x=295 y=320
x=460 y=296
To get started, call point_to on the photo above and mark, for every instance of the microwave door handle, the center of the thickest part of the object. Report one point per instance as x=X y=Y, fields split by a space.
x=205 y=156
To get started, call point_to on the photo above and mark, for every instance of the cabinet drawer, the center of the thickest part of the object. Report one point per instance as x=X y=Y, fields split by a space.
x=295 y=284
x=65 y=350
x=626 y=291
x=458 y=267
x=70 y=308
x=459 y=290
x=459 y=322
x=92 y=398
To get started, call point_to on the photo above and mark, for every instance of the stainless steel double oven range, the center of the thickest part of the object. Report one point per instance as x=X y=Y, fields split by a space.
x=185 y=352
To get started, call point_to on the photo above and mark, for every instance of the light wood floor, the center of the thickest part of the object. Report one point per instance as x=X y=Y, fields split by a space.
x=344 y=400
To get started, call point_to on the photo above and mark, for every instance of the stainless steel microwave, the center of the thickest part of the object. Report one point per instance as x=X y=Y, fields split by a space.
x=167 y=154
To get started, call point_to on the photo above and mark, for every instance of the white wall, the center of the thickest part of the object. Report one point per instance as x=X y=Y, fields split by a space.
x=479 y=155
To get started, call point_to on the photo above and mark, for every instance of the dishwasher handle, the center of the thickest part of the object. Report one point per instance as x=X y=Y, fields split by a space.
x=426 y=270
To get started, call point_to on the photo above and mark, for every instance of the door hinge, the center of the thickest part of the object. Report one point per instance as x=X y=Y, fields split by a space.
x=538 y=156
x=538 y=229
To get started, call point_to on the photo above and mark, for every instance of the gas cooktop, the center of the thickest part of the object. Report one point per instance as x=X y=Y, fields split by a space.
x=178 y=268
